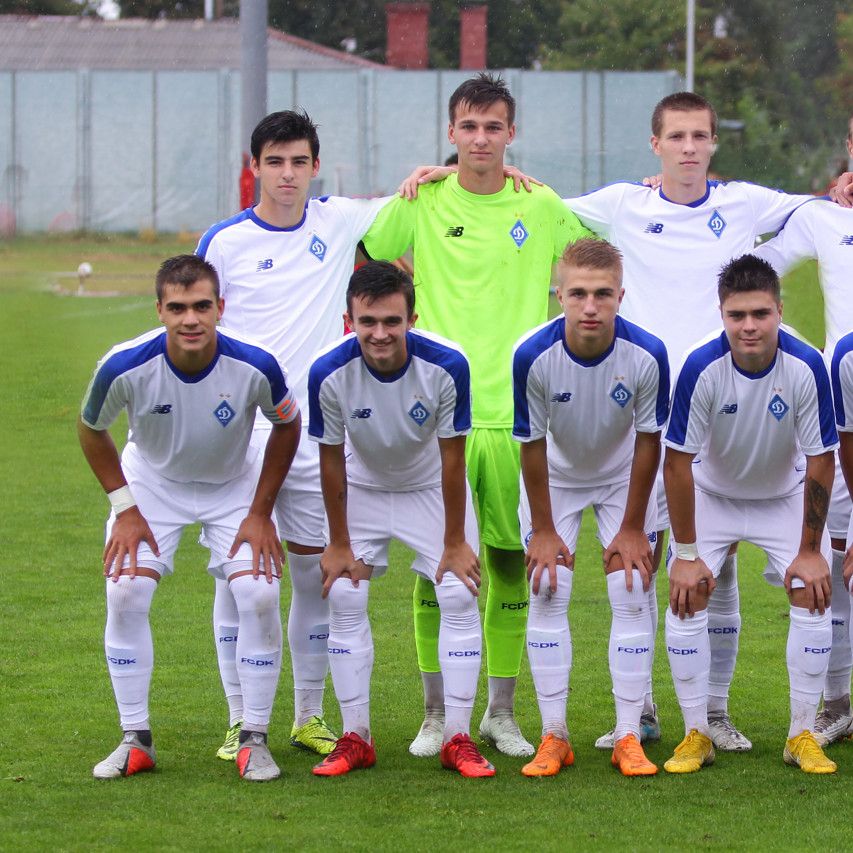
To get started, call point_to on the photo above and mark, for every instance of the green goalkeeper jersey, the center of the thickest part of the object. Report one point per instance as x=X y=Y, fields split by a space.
x=482 y=273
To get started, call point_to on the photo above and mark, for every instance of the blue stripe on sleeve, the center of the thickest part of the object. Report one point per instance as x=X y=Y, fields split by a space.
x=695 y=364
x=842 y=348
x=259 y=358
x=455 y=363
x=526 y=353
x=204 y=243
x=655 y=347
x=813 y=359
x=320 y=370
x=114 y=367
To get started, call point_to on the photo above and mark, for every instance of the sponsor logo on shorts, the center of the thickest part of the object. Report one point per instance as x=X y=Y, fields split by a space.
x=360 y=413
x=551 y=645
x=621 y=395
x=519 y=234
x=317 y=248
x=467 y=653
x=257 y=661
x=120 y=661
x=652 y=537
x=419 y=413
x=846 y=240
x=161 y=409
x=825 y=650
x=224 y=413
x=674 y=651
x=561 y=397
x=454 y=231
x=339 y=651
x=778 y=407
x=726 y=629
x=653 y=228
x=265 y=264
x=513 y=605
x=633 y=650
x=728 y=409
x=717 y=224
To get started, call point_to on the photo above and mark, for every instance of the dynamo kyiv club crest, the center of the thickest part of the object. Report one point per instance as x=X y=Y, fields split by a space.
x=419 y=413
x=519 y=234
x=224 y=413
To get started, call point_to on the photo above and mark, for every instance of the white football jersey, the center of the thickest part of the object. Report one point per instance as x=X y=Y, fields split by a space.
x=751 y=429
x=821 y=230
x=391 y=423
x=674 y=252
x=841 y=375
x=189 y=428
x=589 y=410
x=286 y=287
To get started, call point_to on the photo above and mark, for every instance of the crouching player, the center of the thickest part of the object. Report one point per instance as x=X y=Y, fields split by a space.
x=191 y=392
x=401 y=398
x=750 y=402
x=591 y=398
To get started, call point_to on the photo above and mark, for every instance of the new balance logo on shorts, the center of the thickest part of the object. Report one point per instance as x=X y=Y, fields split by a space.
x=728 y=409
x=454 y=231
x=265 y=264
x=846 y=240
x=653 y=228
x=561 y=397
x=360 y=413
x=161 y=409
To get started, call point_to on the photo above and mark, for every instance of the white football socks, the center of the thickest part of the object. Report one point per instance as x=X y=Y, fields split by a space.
x=128 y=647
x=307 y=635
x=630 y=651
x=351 y=653
x=258 y=647
x=459 y=653
x=225 y=628
x=809 y=642
x=724 y=626
x=838 y=674
x=689 y=659
x=549 y=650
x=648 y=700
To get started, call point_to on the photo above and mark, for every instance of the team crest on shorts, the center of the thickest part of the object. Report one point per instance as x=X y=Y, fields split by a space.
x=621 y=395
x=778 y=407
x=224 y=413
x=519 y=234
x=419 y=413
x=717 y=224
x=317 y=248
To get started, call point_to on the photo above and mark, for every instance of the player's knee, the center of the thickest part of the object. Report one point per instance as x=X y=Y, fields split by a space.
x=454 y=599
x=255 y=595
x=130 y=595
x=504 y=567
x=346 y=598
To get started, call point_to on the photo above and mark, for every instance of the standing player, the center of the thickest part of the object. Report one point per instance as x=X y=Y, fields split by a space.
x=191 y=393
x=824 y=231
x=402 y=400
x=284 y=265
x=591 y=398
x=483 y=256
x=750 y=402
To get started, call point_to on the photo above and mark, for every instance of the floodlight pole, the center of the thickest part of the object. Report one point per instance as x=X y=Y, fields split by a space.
x=691 y=38
x=253 y=67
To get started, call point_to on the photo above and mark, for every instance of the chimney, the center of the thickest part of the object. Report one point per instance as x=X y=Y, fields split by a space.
x=407 y=29
x=472 y=37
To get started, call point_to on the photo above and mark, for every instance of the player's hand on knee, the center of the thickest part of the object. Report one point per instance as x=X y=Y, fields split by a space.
x=423 y=175
x=336 y=562
x=544 y=551
x=129 y=529
x=519 y=179
x=691 y=582
x=634 y=552
x=259 y=532
x=813 y=570
x=460 y=560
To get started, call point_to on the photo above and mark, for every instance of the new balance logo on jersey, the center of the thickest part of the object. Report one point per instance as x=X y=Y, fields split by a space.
x=317 y=248
x=519 y=234
x=419 y=413
x=162 y=409
x=778 y=407
x=360 y=413
x=717 y=224
x=846 y=240
x=561 y=397
x=224 y=413
x=728 y=409
x=653 y=228
x=265 y=264
x=454 y=231
x=621 y=395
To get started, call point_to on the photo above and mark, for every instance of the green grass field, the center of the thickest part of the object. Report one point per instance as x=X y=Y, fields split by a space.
x=59 y=718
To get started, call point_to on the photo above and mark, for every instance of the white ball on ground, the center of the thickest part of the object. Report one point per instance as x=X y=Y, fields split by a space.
x=84 y=270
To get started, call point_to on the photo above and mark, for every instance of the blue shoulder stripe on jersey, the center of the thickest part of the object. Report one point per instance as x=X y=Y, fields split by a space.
x=204 y=243
x=522 y=361
x=842 y=348
x=455 y=364
x=799 y=207
x=319 y=371
x=117 y=364
x=694 y=365
x=808 y=354
x=260 y=359
x=654 y=346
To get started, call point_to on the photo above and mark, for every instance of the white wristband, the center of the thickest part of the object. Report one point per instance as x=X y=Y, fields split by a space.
x=686 y=551
x=121 y=499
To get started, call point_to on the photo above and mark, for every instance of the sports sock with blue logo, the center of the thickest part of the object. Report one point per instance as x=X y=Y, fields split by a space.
x=838 y=674
x=807 y=654
x=724 y=625
x=226 y=620
x=689 y=655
